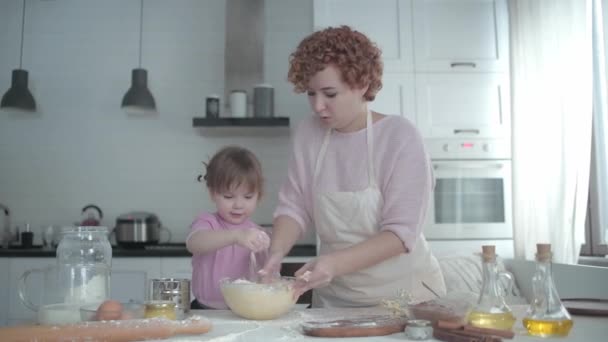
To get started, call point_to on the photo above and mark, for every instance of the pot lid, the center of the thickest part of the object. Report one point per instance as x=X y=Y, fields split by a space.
x=137 y=216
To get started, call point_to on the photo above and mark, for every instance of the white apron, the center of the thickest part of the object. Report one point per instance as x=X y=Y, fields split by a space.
x=343 y=219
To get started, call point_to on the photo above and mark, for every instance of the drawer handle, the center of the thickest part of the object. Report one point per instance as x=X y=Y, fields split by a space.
x=466 y=131
x=463 y=64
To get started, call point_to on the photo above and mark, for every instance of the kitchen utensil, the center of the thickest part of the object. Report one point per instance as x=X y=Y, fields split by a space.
x=253 y=268
x=91 y=220
x=377 y=325
x=586 y=306
x=263 y=101
x=50 y=306
x=139 y=228
x=174 y=290
x=80 y=276
x=116 y=331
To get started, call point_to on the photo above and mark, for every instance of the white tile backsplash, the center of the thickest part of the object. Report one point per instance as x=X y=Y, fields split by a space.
x=81 y=148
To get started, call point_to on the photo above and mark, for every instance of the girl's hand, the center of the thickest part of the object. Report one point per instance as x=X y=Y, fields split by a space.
x=253 y=239
x=316 y=273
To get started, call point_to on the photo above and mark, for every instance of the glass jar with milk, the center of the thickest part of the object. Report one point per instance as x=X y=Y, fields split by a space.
x=80 y=276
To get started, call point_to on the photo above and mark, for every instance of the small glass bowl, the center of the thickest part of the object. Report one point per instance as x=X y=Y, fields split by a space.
x=160 y=309
x=131 y=310
x=418 y=329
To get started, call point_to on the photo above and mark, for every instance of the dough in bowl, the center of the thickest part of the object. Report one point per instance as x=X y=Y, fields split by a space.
x=258 y=301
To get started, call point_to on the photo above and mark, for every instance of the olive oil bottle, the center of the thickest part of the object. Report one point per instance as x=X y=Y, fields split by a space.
x=546 y=316
x=491 y=311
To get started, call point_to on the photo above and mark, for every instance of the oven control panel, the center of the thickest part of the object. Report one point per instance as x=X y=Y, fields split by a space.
x=468 y=148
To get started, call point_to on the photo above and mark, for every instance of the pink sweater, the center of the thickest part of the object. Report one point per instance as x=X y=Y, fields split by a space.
x=402 y=167
x=228 y=262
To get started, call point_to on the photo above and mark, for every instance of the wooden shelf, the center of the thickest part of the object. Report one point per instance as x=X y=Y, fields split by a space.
x=240 y=122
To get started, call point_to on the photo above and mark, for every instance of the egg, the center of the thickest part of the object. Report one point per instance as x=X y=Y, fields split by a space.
x=109 y=310
x=126 y=316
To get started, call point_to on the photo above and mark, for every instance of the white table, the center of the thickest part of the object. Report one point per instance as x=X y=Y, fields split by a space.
x=229 y=327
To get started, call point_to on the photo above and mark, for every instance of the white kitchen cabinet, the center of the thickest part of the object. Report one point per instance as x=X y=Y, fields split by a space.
x=17 y=312
x=396 y=96
x=4 y=292
x=129 y=281
x=461 y=35
x=463 y=105
x=386 y=22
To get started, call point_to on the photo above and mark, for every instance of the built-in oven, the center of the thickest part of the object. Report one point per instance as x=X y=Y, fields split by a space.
x=472 y=197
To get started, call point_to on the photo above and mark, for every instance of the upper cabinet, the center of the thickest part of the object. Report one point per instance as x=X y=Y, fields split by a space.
x=446 y=62
x=386 y=22
x=463 y=105
x=396 y=96
x=461 y=35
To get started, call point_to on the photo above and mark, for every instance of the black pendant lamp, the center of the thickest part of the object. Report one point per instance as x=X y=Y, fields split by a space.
x=139 y=99
x=18 y=97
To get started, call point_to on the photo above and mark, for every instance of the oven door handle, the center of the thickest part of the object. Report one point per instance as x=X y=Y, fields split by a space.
x=468 y=166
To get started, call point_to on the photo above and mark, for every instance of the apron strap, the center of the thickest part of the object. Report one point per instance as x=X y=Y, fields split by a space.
x=370 y=150
x=320 y=156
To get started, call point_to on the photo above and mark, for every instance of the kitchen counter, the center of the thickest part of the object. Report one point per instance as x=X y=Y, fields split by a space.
x=229 y=327
x=162 y=250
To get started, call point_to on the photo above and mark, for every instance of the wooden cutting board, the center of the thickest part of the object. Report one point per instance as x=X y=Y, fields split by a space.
x=355 y=327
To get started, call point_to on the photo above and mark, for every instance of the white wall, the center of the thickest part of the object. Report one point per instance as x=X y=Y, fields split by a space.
x=81 y=148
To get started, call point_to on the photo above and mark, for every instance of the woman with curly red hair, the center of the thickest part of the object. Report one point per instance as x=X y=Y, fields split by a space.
x=362 y=179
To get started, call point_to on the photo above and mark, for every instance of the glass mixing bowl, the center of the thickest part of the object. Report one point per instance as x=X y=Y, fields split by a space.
x=259 y=301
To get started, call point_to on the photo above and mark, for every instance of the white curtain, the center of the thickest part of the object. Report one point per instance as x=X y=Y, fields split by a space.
x=600 y=123
x=551 y=102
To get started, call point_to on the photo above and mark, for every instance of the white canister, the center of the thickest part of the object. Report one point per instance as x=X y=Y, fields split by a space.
x=238 y=103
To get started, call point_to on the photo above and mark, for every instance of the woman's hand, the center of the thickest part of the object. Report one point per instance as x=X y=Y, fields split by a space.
x=316 y=273
x=253 y=239
x=272 y=268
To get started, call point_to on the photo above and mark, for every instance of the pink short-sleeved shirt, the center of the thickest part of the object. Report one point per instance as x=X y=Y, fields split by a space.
x=228 y=262
x=401 y=163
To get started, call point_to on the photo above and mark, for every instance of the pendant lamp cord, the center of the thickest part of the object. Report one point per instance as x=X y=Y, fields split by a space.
x=141 y=28
x=22 y=32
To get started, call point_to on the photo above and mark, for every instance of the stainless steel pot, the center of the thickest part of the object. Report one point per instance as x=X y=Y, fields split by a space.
x=139 y=228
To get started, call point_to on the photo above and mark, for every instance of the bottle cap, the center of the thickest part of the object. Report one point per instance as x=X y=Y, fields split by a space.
x=488 y=252
x=543 y=251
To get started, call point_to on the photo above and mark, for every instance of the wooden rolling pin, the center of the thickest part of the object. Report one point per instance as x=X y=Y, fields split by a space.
x=111 y=331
